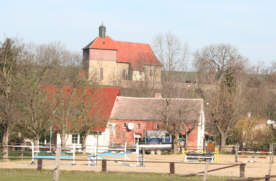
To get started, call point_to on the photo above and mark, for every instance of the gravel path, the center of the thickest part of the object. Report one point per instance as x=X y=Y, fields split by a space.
x=257 y=168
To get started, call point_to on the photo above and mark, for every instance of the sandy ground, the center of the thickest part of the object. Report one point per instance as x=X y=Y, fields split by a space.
x=258 y=168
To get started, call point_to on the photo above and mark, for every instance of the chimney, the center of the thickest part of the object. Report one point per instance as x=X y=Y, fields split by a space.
x=157 y=95
x=102 y=30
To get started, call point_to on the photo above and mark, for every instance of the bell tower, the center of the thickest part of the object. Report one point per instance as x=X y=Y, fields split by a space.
x=102 y=30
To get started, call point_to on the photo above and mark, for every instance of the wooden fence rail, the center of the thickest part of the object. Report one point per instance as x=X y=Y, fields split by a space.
x=266 y=178
x=242 y=170
x=171 y=167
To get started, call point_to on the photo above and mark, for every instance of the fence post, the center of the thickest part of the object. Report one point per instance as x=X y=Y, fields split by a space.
x=205 y=171
x=172 y=168
x=103 y=165
x=22 y=154
x=267 y=177
x=236 y=153
x=74 y=155
x=33 y=153
x=39 y=164
x=143 y=154
x=270 y=158
x=242 y=170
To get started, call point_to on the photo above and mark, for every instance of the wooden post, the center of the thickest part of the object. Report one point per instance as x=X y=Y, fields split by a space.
x=103 y=165
x=32 y=153
x=56 y=171
x=143 y=154
x=242 y=170
x=74 y=155
x=270 y=158
x=236 y=152
x=205 y=171
x=267 y=177
x=39 y=164
x=172 y=168
x=22 y=154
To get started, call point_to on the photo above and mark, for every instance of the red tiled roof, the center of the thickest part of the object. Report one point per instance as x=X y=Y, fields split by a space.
x=103 y=43
x=136 y=54
x=102 y=101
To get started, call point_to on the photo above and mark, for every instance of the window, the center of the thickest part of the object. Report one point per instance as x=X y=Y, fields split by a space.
x=75 y=138
x=138 y=126
x=124 y=75
x=125 y=125
x=157 y=126
x=101 y=74
x=150 y=72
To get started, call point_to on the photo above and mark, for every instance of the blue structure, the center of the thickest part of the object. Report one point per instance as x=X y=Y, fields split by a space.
x=65 y=157
x=157 y=137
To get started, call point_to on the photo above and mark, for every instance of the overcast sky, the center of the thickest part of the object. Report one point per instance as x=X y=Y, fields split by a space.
x=249 y=25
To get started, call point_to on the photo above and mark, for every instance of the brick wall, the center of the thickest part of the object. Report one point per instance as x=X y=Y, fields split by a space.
x=103 y=55
x=123 y=134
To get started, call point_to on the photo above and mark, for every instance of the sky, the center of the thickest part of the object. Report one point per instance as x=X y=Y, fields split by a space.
x=248 y=25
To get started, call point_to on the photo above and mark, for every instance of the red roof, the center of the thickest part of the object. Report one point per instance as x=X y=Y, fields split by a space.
x=102 y=101
x=136 y=54
x=103 y=43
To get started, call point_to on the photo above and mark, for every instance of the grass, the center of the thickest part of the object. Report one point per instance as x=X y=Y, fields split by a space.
x=46 y=175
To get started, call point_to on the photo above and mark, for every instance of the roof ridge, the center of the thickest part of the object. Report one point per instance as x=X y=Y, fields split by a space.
x=154 y=98
x=131 y=42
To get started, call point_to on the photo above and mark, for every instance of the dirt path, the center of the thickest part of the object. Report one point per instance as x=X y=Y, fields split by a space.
x=258 y=168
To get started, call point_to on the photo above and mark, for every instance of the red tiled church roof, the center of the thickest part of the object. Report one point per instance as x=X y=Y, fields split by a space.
x=103 y=43
x=136 y=54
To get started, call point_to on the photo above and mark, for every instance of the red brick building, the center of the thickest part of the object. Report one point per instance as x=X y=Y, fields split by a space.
x=134 y=119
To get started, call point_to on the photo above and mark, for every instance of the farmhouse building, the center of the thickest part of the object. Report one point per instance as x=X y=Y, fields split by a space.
x=99 y=103
x=144 y=119
x=111 y=62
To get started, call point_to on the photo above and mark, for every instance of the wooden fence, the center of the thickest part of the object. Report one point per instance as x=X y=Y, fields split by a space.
x=171 y=166
x=266 y=178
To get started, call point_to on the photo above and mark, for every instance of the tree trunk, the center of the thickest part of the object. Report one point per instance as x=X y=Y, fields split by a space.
x=36 y=146
x=5 y=142
x=223 y=136
x=63 y=140
x=83 y=143
x=172 y=143
x=222 y=142
x=186 y=141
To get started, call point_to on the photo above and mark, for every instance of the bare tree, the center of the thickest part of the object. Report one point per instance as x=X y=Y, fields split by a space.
x=222 y=66
x=32 y=101
x=224 y=105
x=180 y=115
x=171 y=52
x=9 y=57
x=212 y=61
x=175 y=58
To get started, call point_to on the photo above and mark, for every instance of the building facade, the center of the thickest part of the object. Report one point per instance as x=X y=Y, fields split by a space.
x=111 y=62
x=135 y=119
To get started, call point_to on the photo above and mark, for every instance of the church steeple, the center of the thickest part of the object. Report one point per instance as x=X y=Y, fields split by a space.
x=102 y=30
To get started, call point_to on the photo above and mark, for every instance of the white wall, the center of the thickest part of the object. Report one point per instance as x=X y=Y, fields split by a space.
x=91 y=142
x=201 y=130
x=103 y=142
x=137 y=75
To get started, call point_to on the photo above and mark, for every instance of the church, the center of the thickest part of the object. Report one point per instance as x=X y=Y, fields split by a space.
x=110 y=62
